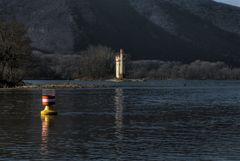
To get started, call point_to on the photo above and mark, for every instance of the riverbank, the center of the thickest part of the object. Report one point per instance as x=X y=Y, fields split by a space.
x=56 y=86
x=81 y=84
x=7 y=84
x=75 y=84
x=48 y=86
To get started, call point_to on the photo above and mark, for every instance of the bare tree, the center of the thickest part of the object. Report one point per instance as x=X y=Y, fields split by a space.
x=155 y=69
x=15 y=51
x=97 y=62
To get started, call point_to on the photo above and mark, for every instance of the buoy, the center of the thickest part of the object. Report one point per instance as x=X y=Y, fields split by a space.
x=48 y=101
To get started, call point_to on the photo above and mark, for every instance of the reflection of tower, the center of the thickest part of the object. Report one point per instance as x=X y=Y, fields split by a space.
x=46 y=122
x=119 y=99
x=120 y=66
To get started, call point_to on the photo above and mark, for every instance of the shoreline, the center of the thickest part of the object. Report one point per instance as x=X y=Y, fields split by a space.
x=56 y=86
x=97 y=84
x=74 y=85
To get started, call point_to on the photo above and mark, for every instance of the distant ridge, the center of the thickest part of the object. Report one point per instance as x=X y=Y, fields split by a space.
x=179 y=30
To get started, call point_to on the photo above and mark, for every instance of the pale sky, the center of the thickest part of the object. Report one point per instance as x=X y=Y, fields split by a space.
x=232 y=2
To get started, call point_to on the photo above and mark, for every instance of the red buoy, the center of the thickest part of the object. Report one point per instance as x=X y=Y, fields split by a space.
x=48 y=101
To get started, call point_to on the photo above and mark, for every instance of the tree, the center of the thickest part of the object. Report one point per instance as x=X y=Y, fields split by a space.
x=97 y=62
x=15 y=52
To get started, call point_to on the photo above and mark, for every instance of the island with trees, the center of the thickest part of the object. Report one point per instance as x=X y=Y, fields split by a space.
x=18 y=62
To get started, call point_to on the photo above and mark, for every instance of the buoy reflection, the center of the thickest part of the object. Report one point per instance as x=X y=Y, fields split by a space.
x=47 y=121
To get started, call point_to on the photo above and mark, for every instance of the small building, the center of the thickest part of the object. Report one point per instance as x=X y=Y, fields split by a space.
x=120 y=65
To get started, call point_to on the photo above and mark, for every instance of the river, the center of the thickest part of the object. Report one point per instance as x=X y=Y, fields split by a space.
x=151 y=120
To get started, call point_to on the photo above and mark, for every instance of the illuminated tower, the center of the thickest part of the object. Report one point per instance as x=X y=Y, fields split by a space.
x=120 y=66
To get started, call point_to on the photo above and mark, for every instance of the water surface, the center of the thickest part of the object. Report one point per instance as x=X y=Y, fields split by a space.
x=153 y=120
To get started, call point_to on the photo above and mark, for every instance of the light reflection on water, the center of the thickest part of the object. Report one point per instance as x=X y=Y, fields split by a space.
x=167 y=124
x=119 y=98
x=46 y=125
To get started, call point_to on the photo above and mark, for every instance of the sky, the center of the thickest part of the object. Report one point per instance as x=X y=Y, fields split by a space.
x=232 y=2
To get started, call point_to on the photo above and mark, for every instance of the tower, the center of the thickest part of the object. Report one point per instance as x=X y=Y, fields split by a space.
x=120 y=66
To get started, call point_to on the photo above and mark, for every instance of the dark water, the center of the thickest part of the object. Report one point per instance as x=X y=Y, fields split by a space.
x=156 y=120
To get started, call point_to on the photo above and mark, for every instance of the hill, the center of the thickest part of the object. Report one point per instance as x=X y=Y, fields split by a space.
x=182 y=30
